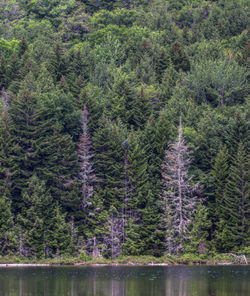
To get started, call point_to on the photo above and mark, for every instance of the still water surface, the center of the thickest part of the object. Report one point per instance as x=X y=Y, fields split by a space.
x=126 y=281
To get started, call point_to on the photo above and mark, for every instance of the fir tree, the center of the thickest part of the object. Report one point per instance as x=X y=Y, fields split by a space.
x=199 y=234
x=109 y=162
x=220 y=174
x=8 y=237
x=59 y=167
x=43 y=228
x=26 y=130
x=5 y=140
x=233 y=226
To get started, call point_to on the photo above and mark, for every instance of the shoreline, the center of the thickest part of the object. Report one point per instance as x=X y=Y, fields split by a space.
x=146 y=260
x=82 y=264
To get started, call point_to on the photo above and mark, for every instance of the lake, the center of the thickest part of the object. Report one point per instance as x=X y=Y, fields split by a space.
x=125 y=280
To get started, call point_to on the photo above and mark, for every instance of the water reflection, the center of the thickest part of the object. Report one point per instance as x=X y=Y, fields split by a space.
x=126 y=281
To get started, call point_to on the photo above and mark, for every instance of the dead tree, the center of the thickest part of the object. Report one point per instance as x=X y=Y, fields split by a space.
x=178 y=198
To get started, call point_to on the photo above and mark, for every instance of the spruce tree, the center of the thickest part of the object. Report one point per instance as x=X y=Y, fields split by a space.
x=199 y=234
x=26 y=130
x=59 y=167
x=5 y=139
x=8 y=237
x=109 y=161
x=233 y=226
x=216 y=205
x=44 y=232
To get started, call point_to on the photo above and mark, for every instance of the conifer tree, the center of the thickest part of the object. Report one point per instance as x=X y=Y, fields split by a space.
x=154 y=140
x=8 y=237
x=36 y=212
x=233 y=226
x=109 y=162
x=43 y=227
x=26 y=130
x=86 y=176
x=59 y=167
x=151 y=234
x=238 y=132
x=178 y=197
x=199 y=234
x=58 y=235
x=220 y=174
x=179 y=58
x=5 y=139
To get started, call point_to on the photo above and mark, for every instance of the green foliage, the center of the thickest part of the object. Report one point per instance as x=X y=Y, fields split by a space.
x=200 y=231
x=138 y=66
x=7 y=48
x=8 y=237
x=216 y=82
x=233 y=228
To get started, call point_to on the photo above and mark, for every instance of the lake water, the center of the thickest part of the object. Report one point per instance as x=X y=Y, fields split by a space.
x=126 y=281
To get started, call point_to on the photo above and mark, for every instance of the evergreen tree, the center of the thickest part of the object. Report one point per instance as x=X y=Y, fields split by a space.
x=179 y=58
x=26 y=130
x=58 y=235
x=233 y=226
x=237 y=132
x=8 y=237
x=59 y=167
x=199 y=234
x=220 y=174
x=178 y=197
x=5 y=139
x=107 y=143
x=43 y=227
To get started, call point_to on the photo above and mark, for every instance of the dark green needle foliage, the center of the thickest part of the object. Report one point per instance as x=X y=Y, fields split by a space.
x=137 y=66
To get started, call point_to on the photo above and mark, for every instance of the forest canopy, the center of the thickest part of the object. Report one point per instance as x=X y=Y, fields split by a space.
x=124 y=127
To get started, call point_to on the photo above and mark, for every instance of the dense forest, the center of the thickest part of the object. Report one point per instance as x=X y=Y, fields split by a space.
x=124 y=127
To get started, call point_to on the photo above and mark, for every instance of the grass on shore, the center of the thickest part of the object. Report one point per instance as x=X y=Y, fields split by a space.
x=186 y=259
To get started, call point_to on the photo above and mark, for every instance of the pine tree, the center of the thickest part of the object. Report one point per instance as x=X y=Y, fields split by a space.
x=178 y=197
x=86 y=175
